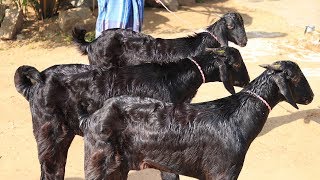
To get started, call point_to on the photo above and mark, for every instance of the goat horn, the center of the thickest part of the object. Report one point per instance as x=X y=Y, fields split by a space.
x=266 y=66
x=276 y=67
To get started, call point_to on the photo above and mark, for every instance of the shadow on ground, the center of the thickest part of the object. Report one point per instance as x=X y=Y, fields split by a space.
x=306 y=115
x=211 y=9
x=46 y=31
x=262 y=34
x=214 y=12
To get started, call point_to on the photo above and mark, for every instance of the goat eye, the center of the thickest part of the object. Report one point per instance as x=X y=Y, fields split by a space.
x=295 y=79
x=236 y=65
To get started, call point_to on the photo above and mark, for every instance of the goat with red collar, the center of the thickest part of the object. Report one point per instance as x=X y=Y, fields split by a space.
x=123 y=47
x=206 y=140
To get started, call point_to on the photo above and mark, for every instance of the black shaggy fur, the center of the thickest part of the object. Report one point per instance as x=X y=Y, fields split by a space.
x=206 y=140
x=56 y=93
x=121 y=47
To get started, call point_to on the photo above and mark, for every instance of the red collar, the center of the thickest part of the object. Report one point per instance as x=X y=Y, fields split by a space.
x=259 y=97
x=198 y=66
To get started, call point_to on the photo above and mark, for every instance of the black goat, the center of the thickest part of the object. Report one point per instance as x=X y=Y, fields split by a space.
x=206 y=140
x=57 y=92
x=121 y=47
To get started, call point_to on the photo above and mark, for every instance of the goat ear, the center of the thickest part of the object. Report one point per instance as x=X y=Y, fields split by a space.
x=225 y=77
x=285 y=89
x=221 y=34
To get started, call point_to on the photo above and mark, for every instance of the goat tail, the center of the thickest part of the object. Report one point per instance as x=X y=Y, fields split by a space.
x=24 y=78
x=78 y=35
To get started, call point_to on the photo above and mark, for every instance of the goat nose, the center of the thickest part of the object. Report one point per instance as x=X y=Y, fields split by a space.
x=244 y=43
x=307 y=101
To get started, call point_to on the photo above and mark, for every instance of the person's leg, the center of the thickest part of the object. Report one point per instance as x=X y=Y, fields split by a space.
x=112 y=14
x=125 y=14
x=102 y=16
x=137 y=14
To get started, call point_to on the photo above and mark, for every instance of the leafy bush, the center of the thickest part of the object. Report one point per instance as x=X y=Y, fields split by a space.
x=43 y=8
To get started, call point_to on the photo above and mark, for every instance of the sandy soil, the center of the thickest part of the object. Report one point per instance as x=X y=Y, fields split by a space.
x=288 y=146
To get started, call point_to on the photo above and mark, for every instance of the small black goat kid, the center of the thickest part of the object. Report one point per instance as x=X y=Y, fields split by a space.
x=57 y=93
x=206 y=140
x=121 y=47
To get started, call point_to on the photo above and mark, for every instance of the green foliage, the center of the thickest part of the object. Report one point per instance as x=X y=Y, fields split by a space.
x=43 y=8
x=199 y=1
x=90 y=36
x=68 y=39
x=24 y=2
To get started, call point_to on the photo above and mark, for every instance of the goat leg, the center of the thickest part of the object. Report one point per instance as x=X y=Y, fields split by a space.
x=53 y=143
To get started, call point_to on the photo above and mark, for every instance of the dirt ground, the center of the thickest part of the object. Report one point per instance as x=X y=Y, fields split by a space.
x=288 y=146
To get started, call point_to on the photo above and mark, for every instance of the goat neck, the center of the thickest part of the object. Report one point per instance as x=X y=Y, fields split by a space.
x=214 y=34
x=254 y=112
x=205 y=66
x=265 y=87
x=187 y=77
